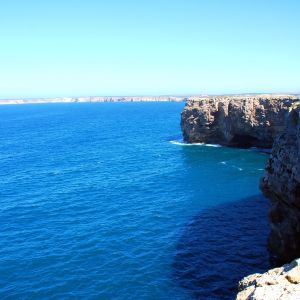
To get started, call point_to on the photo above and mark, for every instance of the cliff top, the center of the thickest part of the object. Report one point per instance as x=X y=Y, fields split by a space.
x=246 y=97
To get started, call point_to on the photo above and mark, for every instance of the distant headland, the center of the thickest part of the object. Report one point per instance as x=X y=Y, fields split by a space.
x=94 y=99
x=142 y=98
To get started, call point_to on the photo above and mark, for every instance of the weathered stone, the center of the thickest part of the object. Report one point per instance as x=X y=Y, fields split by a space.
x=273 y=285
x=261 y=122
x=236 y=121
x=281 y=184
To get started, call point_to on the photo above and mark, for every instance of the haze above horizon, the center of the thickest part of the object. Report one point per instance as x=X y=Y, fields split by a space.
x=71 y=48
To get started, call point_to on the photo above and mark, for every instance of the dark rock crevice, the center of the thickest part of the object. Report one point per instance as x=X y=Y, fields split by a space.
x=243 y=141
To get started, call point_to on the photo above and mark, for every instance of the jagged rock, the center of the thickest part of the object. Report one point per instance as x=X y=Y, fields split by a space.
x=258 y=121
x=235 y=121
x=276 y=284
x=281 y=184
x=261 y=121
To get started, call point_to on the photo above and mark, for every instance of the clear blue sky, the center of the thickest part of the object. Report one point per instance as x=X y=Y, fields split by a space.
x=119 y=47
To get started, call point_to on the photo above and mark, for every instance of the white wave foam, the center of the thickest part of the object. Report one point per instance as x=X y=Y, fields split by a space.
x=231 y=166
x=181 y=143
x=236 y=167
x=212 y=145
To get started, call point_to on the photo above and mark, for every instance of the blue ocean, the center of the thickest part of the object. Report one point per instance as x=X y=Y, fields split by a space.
x=104 y=201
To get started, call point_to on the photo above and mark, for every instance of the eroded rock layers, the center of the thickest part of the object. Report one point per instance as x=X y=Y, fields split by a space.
x=235 y=121
x=261 y=122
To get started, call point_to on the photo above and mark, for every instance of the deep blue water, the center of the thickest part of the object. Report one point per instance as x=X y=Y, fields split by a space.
x=97 y=203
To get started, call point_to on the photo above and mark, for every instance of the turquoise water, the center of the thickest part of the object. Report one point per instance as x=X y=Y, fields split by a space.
x=99 y=202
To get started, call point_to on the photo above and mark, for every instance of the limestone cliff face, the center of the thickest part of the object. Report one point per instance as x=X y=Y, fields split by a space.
x=277 y=284
x=261 y=122
x=281 y=184
x=235 y=121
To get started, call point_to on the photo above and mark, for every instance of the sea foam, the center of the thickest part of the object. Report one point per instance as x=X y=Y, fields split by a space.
x=182 y=143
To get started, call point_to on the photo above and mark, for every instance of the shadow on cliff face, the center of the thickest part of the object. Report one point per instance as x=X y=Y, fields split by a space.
x=220 y=246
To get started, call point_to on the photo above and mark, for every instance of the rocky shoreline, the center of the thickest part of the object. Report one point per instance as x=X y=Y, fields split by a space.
x=264 y=121
x=236 y=121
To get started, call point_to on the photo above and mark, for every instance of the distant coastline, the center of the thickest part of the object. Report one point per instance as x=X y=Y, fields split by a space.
x=94 y=99
x=161 y=98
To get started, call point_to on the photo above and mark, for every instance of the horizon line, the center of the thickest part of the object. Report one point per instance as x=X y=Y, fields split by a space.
x=151 y=95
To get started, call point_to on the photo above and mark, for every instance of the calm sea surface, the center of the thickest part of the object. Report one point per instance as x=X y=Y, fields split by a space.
x=96 y=202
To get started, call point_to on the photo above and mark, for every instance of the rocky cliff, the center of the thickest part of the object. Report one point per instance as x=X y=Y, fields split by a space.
x=235 y=121
x=281 y=184
x=277 y=284
x=261 y=122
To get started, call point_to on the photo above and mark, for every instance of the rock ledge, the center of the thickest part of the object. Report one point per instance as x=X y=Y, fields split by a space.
x=277 y=284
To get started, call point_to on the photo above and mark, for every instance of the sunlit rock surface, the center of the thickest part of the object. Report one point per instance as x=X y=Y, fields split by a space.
x=266 y=122
x=277 y=284
x=239 y=121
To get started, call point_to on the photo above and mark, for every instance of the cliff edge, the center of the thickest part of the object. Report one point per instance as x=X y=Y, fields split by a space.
x=281 y=184
x=235 y=121
x=261 y=122
x=277 y=284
